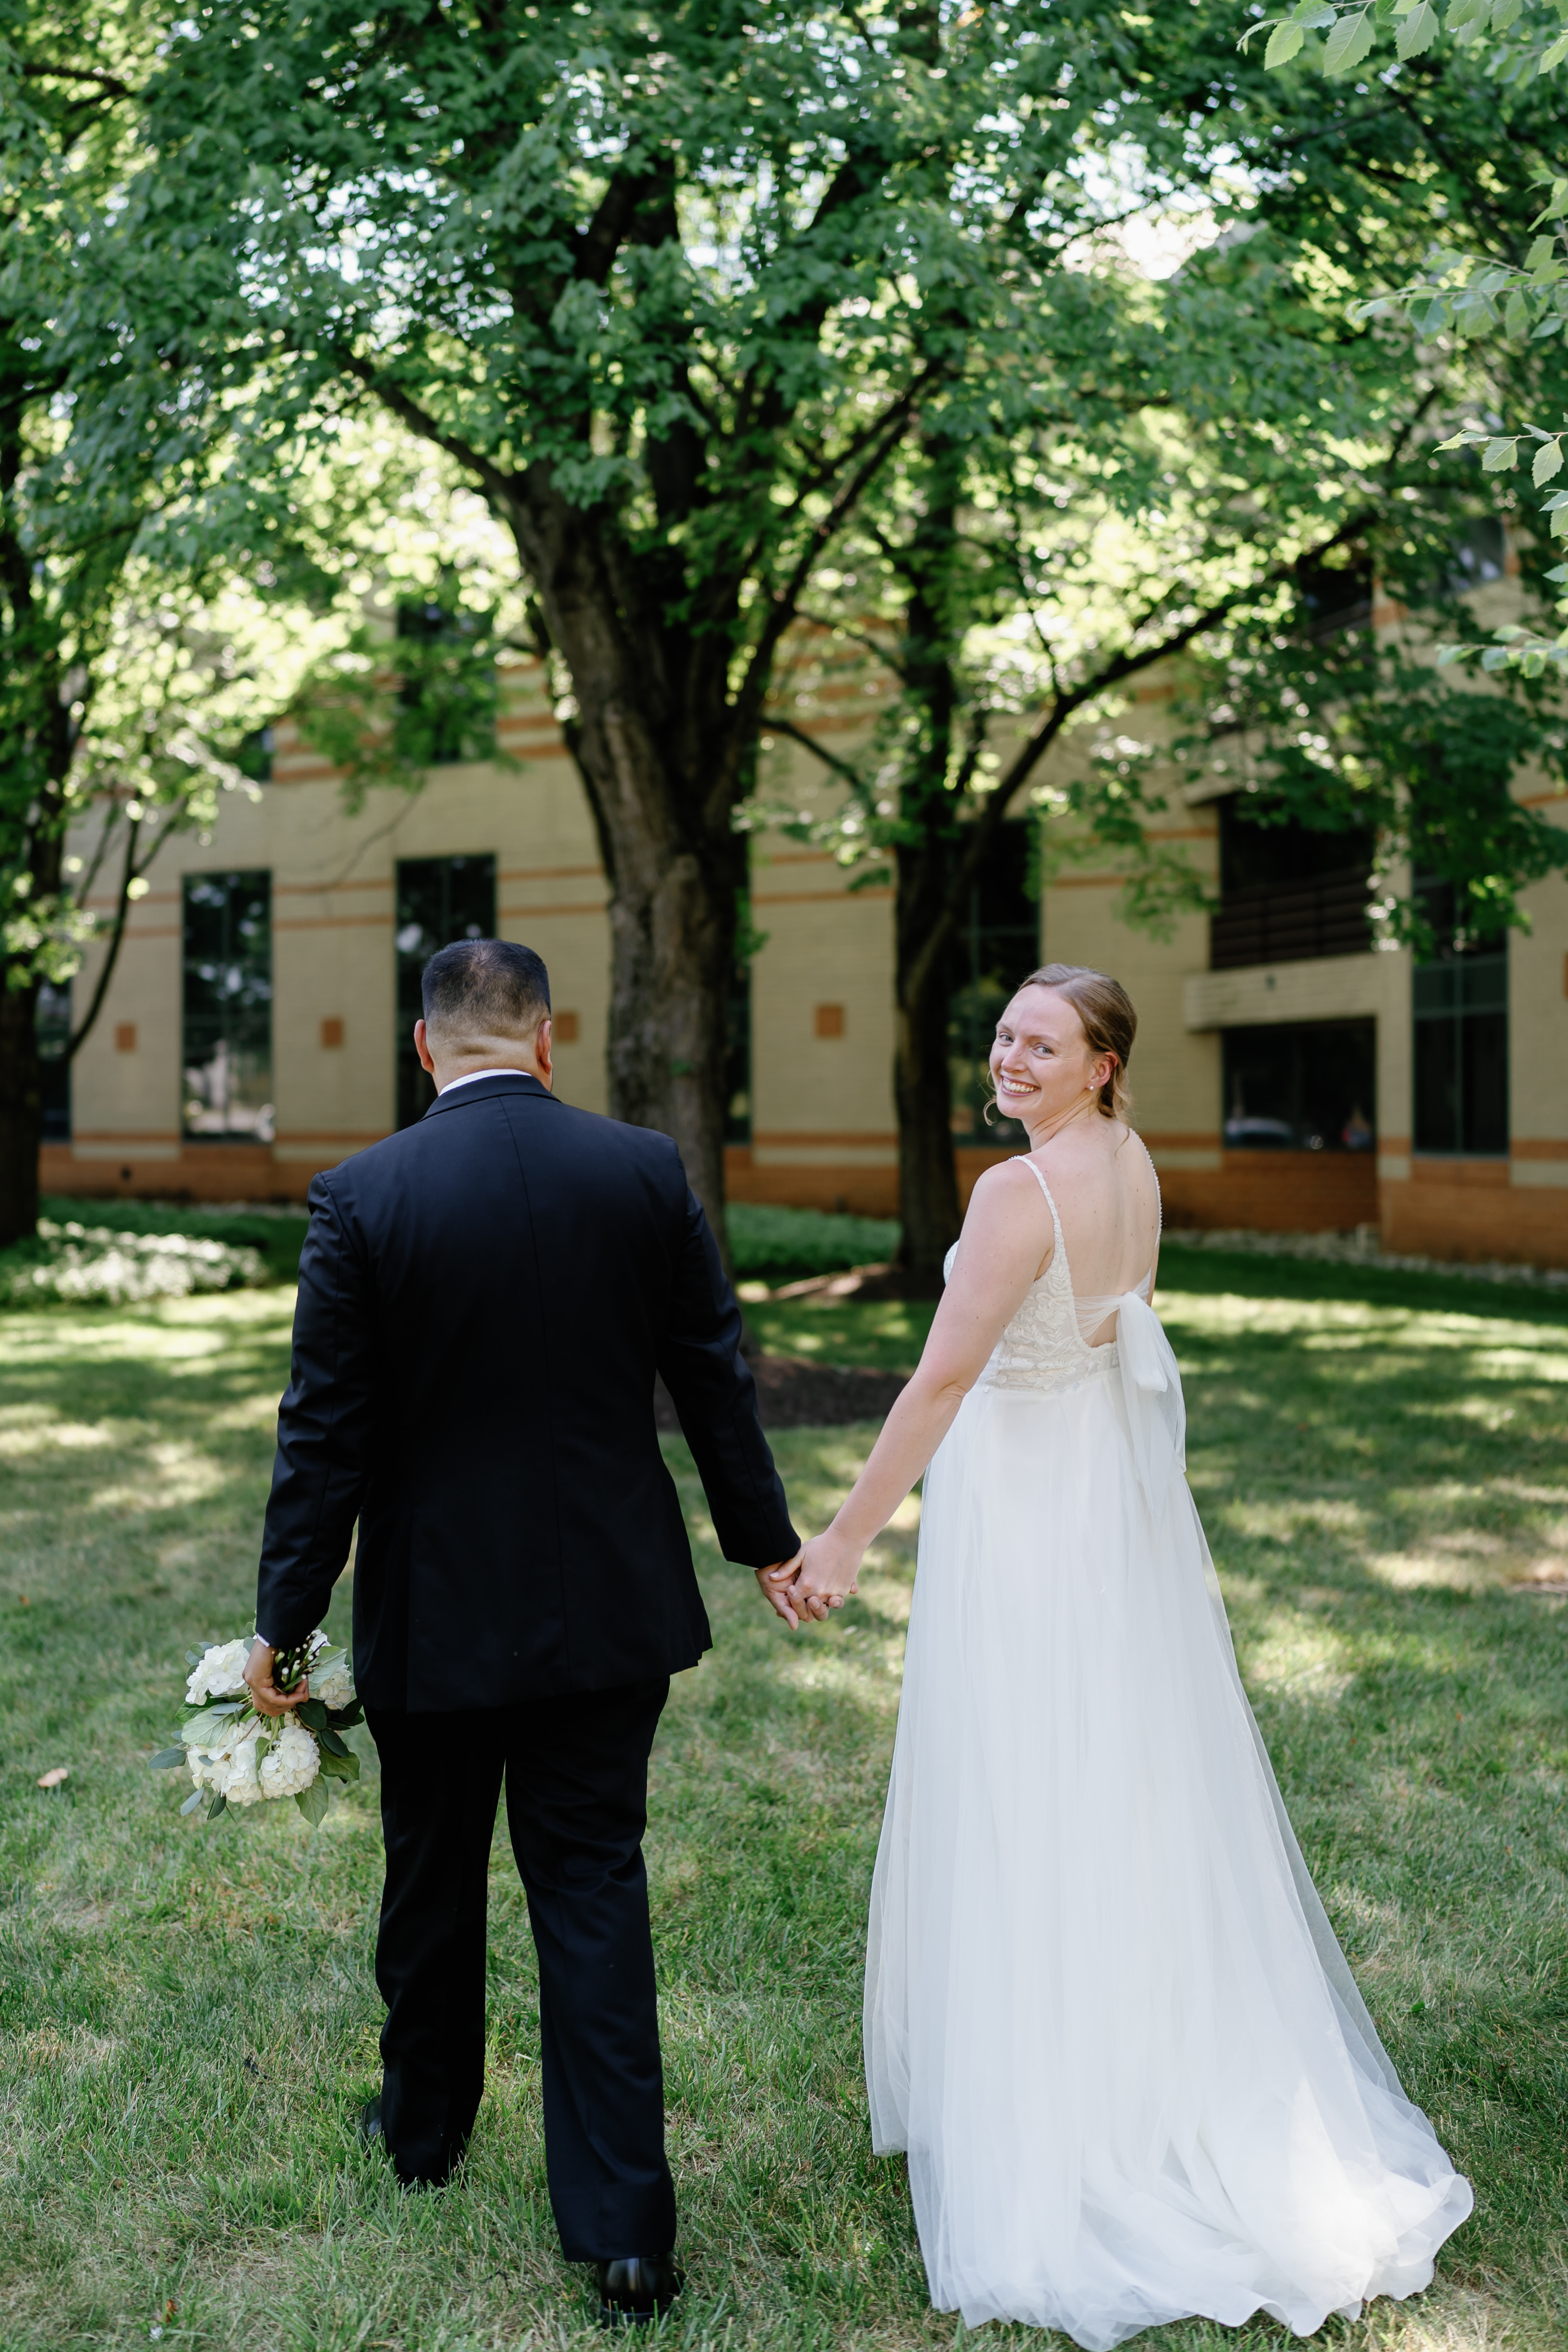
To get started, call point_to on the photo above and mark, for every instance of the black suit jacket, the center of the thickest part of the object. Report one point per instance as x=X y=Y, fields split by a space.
x=484 y=1301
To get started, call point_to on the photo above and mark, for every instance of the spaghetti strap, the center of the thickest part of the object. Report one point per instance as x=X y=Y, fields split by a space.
x=1039 y=1179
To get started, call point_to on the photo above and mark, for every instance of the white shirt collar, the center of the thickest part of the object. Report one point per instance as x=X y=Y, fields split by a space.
x=453 y=1084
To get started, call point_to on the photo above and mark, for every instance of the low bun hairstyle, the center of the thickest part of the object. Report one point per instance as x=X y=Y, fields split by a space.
x=1110 y=1022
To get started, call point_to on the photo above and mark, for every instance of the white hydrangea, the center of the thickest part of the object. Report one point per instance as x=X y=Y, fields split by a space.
x=219 y=1674
x=291 y=1763
x=335 y=1688
x=230 y=1769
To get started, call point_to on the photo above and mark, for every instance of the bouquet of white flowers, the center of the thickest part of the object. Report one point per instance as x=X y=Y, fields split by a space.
x=237 y=1757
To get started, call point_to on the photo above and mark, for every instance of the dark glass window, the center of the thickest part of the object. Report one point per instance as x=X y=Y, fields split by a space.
x=1288 y=893
x=254 y=756
x=1301 y=1086
x=1480 y=555
x=439 y=899
x=998 y=945
x=54 y=1028
x=1334 y=597
x=1460 y=1006
x=227 y=1026
x=447 y=709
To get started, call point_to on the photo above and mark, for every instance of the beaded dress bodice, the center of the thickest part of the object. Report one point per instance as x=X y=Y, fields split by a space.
x=1044 y=1349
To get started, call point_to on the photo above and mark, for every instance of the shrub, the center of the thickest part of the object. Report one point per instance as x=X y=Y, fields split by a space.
x=779 y=1243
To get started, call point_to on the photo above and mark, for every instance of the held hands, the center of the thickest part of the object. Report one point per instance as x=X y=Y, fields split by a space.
x=817 y=1582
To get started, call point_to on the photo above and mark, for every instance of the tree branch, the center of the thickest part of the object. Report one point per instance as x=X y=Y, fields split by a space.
x=109 y=83
x=116 y=941
x=819 y=750
x=419 y=420
x=753 y=687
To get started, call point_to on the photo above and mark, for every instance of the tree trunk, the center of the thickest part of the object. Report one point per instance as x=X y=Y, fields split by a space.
x=21 y=1112
x=923 y=1081
x=658 y=747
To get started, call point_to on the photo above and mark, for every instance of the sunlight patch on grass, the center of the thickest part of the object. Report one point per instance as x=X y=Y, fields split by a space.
x=1420 y=1728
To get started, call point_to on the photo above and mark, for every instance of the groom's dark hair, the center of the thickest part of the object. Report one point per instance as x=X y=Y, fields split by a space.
x=488 y=988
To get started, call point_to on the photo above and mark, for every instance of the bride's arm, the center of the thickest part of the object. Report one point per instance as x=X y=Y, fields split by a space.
x=1006 y=1245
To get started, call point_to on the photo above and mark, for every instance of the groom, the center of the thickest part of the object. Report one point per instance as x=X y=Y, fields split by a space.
x=484 y=1302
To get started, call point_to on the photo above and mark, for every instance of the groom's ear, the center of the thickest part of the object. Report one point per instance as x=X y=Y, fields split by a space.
x=541 y=1050
x=422 y=1048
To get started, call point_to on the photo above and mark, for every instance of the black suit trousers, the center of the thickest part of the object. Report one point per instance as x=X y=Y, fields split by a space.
x=576 y=1768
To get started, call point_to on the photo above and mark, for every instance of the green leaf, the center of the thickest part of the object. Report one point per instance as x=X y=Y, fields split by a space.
x=1504 y=14
x=1500 y=454
x=164 y=1758
x=1348 y=43
x=343 y=1719
x=311 y=1712
x=192 y=1800
x=1541 y=253
x=1284 y=42
x=340 y=1767
x=1419 y=31
x=1553 y=58
x=1447 y=655
x=1516 y=314
x=312 y=1803
x=219 y=1805
x=1548 y=461
x=331 y=1745
x=1558 y=573
x=193 y=1657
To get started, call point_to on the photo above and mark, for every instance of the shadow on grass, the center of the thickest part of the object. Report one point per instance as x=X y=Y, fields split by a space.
x=188 y=2015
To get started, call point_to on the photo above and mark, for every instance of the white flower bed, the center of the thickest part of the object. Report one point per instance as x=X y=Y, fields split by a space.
x=1360 y=1248
x=91 y=1262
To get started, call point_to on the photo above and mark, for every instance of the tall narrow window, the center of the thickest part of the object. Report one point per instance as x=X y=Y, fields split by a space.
x=999 y=943
x=228 y=1007
x=54 y=1028
x=439 y=899
x=1462 y=1036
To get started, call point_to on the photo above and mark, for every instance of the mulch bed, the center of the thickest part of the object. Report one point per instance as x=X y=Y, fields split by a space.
x=795 y=1395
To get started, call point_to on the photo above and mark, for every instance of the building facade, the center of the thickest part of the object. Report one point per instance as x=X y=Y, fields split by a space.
x=1288 y=1074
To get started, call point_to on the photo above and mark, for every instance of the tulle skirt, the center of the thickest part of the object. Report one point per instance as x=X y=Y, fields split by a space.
x=1105 y=2011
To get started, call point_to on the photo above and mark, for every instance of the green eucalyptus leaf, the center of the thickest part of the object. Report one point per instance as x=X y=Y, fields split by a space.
x=219 y=1805
x=165 y=1759
x=192 y=1800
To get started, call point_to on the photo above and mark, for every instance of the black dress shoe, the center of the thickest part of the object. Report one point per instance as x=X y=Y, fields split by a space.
x=635 y=2292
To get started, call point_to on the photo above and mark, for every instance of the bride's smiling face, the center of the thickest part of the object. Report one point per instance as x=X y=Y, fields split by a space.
x=1041 y=1064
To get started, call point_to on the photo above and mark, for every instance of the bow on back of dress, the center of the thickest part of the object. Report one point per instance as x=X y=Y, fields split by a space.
x=1151 y=1388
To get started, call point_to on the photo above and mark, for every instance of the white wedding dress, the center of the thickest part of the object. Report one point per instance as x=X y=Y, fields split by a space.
x=1105 y=2011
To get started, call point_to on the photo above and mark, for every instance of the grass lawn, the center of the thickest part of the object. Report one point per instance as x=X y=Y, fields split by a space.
x=188 y=2016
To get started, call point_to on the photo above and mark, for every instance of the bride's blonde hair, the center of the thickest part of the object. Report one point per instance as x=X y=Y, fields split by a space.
x=1110 y=1022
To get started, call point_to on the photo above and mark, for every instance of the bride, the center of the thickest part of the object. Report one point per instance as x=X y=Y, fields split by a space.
x=1105 y=2011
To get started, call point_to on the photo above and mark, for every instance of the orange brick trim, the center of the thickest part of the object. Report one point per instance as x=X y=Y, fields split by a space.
x=816 y=897
x=815 y=1139
x=126 y=1135
x=588 y=906
x=1157 y=1142
x=551 y=873
x=334 y=923
x=1540 y=1146
x=324 y=889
